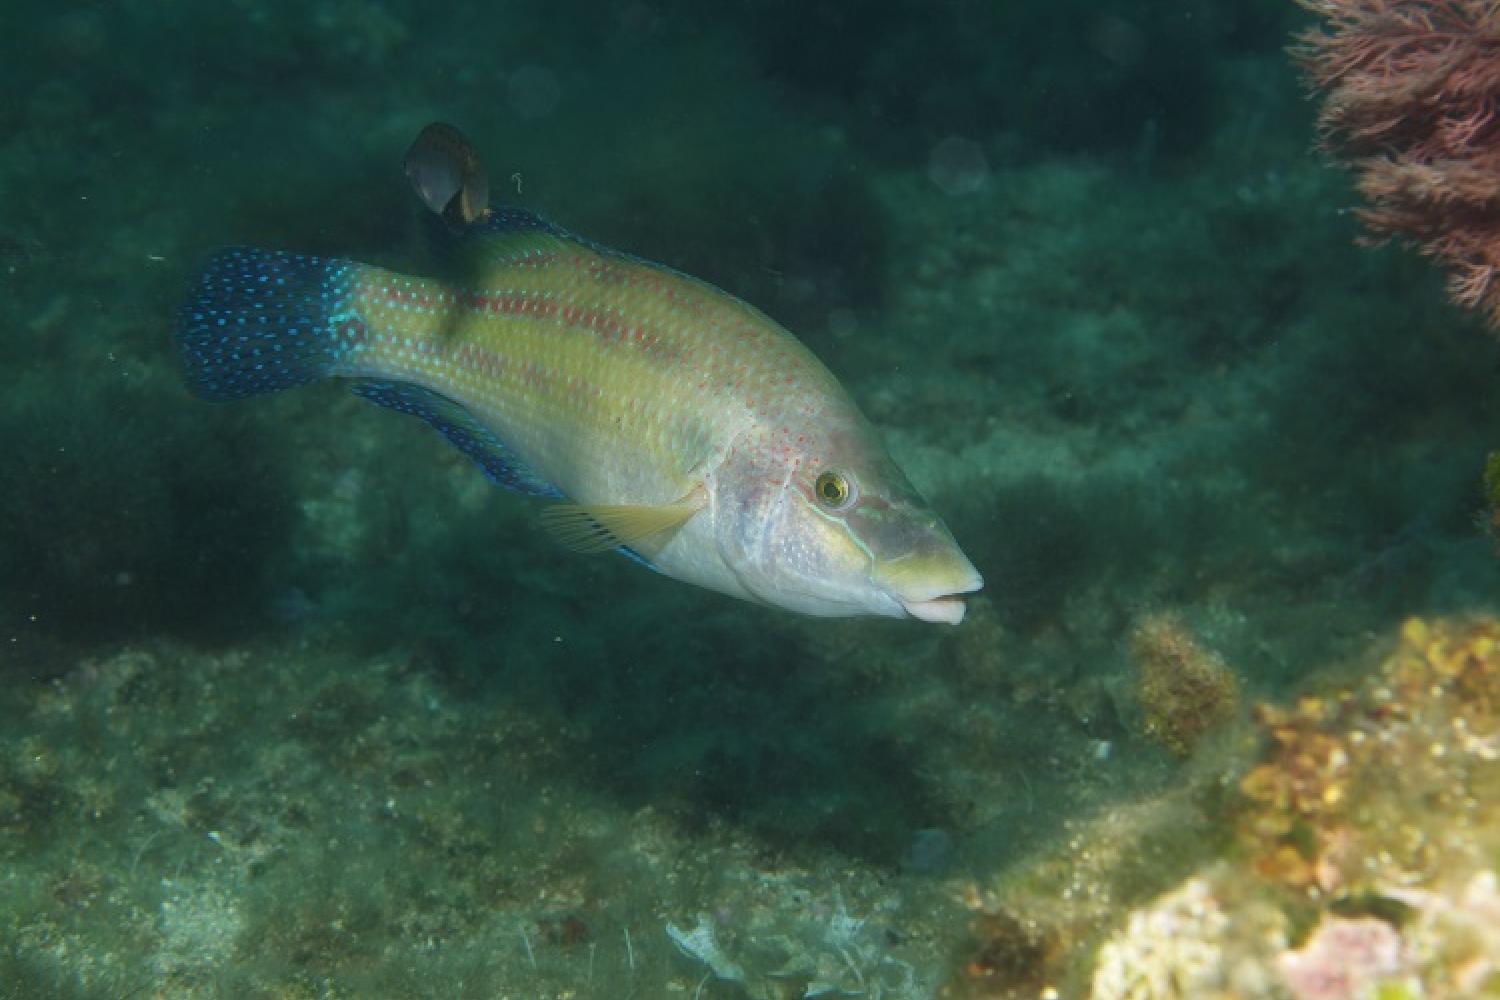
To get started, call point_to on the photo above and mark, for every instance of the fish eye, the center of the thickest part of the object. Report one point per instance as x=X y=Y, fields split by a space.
x=834 y=490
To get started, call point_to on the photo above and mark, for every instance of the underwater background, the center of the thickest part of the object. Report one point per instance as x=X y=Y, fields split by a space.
x=295 y=704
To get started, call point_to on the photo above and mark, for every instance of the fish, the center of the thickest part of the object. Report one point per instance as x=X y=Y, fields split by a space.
x=659 y=416
x=447 y=175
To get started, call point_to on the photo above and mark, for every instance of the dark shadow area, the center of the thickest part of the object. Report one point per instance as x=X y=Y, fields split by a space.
x=124 y=520
x=1126 y=76
x=707 y=710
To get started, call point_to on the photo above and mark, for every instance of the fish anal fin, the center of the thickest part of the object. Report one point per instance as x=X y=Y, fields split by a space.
x=462 y=430
x=601 y=527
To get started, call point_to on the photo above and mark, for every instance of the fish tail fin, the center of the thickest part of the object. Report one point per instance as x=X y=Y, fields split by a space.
x=260 y=321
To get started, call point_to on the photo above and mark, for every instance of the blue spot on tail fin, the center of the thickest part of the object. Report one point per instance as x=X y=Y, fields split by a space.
x=264 y=320
x=462 y=430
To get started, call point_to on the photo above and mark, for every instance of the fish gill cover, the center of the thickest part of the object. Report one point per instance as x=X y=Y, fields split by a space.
x=296 y=703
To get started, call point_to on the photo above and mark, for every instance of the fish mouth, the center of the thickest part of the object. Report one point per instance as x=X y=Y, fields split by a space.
x=934 y=593
x=947 y=610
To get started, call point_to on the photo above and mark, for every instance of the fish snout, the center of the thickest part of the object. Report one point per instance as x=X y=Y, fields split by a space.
x=930 y=585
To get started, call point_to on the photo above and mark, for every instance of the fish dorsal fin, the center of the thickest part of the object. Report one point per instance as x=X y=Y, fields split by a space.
x=511 y=236
x=601 y=527
x=503 y=236
x=454 y=422
x=508 y=222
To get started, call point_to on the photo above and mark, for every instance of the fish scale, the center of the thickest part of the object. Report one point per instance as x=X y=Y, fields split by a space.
x=575 y=353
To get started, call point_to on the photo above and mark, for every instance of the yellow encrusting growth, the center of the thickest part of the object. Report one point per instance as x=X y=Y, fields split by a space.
x=1185 y=689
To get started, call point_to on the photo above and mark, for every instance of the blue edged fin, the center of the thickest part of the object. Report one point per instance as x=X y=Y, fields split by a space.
x=260 y=321
x=637 y=558
x=503 y=222
x=502 y=236
x=509 y=235
x=463 y=431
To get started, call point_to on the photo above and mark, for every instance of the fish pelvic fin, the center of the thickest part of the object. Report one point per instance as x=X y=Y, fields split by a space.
x=260 y=321
x=601 y=527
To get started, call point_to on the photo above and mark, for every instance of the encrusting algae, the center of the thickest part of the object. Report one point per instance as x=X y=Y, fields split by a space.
x=1388 y=770
x=1365 y=847
x=1185 y=689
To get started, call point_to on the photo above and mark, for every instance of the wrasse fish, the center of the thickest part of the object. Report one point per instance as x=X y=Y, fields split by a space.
x=665 y=418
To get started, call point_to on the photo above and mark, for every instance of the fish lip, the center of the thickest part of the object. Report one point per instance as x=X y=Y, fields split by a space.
x=947 y=610
x=945 y=605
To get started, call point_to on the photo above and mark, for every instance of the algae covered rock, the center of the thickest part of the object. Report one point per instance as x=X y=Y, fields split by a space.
x=1185 y=689
x=1371 y=828
x=1361 y=859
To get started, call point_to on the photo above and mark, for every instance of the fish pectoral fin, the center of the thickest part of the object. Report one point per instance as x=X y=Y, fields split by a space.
x=601 y=527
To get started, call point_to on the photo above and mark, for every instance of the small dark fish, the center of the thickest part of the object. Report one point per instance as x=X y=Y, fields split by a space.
x=445 y=171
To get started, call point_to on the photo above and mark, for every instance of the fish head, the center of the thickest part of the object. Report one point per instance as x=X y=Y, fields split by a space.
x=832 y=527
